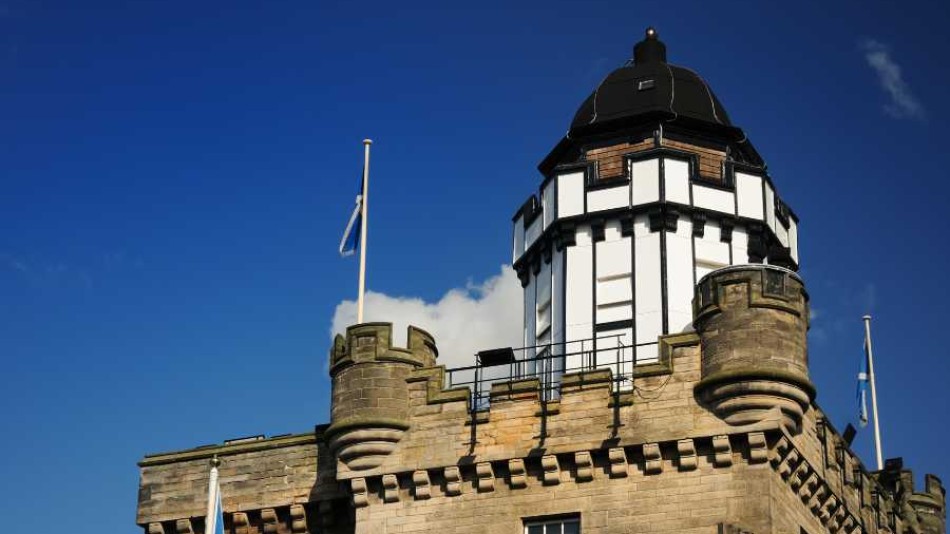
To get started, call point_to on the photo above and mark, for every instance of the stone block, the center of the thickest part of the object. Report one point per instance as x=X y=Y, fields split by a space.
x=617 y=459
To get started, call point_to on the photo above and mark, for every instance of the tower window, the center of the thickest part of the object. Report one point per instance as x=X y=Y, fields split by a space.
x=644 y=85
x=560 y=525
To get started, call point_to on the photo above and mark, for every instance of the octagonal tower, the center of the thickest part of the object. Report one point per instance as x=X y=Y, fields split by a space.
x=651 y=189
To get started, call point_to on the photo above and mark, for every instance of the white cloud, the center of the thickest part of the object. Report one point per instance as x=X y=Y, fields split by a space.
x=903 y=103
x=464 y=321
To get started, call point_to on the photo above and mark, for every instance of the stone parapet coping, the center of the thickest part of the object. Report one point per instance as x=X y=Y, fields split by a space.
x=209 y=451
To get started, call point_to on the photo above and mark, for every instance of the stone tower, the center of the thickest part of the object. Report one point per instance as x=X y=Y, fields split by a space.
x=664 y=386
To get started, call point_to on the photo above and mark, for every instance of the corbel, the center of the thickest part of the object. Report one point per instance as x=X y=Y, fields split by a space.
x=242 y=525
x=184 y=526
x=686 y=449
x=585 y=466
x=655 y=218
x=618 y=462
x=551 y=470
x=758 y=448
x=849 y=524
x=390 y=488
x=523 y=275
x=626 y=226
x=653 y=461
x=360 y=493
x=818 y=500
x=453 y=481
x=566 y=236
x=809 y=487
x=597 y=231
x=799 y=476
x=546 y=250
x=485 y=476
x=722 y=451
x=838 y=518
x=671 y=217
x=789 y=464
x=536 y=263
x=156 y=528
x=422 y=486
x=518 y=473
x=829 y=509
x=782 y=446
x=699 y=224
x=269 y=521
x=725 y=230
x=298 y=519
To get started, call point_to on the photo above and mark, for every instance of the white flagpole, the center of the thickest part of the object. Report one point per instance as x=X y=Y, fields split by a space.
x=363 y=214
x=877 y=426
x=211 y=517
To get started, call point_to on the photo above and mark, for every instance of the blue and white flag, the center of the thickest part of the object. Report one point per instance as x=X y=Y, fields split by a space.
x=214 y=520
x=351 y=236
x=862 y=394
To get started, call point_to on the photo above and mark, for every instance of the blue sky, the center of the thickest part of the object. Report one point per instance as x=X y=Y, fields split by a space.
x=175 y=177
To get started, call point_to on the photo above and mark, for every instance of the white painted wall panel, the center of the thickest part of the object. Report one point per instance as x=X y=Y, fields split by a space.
x=605 y=199
x=770 y=206
x=793 y=238
x=679 y=276
x=570 y=194
x=781 y=233
x=529 y=316
x=649 y=306
x=579 y=301
x=676 y=184
x=711 y=253
x=646 y=181
x=532 y=233
x=740 y=245
x=543 y=304
x=548 y=204
x=518 y=245
x=749 y=196
x=713 y=199
x=557 y=297
x=647 y=353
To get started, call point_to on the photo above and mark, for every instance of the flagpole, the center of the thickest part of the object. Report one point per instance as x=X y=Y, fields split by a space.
x=363 y=215
x=877 y=426
x=211 y=517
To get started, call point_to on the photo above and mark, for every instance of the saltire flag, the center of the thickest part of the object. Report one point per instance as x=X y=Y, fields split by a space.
x=351 y=235
x=214 y=520
x=862 y=394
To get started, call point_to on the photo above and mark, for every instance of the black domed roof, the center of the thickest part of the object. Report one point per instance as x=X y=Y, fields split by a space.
x=649 y=88
x=648 y=94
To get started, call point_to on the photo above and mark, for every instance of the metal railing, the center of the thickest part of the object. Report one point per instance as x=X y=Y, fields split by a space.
x=547 y=363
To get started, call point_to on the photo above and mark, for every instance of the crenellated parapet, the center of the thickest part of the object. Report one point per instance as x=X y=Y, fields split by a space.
x=753 y=321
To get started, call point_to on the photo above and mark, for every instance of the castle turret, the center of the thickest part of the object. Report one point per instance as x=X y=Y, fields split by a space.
x=370 y=400
x=752 y=321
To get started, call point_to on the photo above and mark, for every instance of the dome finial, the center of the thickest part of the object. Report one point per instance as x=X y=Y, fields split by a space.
x=650 y=50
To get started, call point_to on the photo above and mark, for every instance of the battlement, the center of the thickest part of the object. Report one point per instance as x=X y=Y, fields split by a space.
x=372 y=342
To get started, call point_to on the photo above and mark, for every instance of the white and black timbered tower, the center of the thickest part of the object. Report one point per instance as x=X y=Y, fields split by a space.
x=652 y=188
